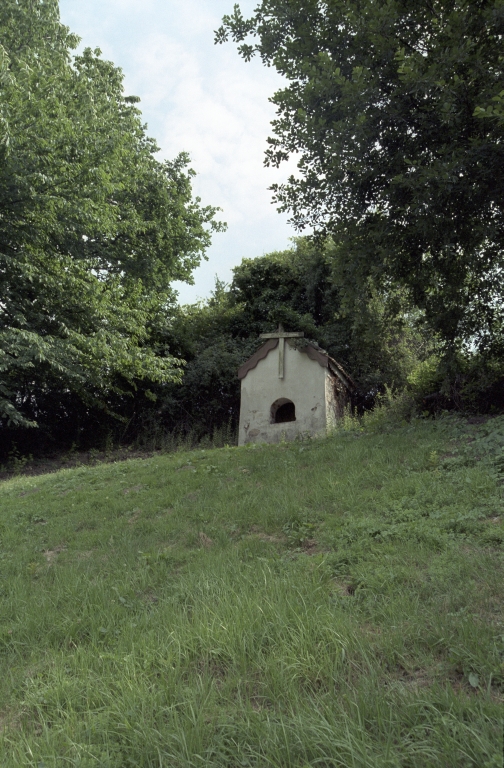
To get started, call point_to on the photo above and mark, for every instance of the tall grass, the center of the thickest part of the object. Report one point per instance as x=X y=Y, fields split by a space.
x=330 y=603
x=154 y=437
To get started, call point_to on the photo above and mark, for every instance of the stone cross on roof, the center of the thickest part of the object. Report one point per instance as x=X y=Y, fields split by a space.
x=281 y=335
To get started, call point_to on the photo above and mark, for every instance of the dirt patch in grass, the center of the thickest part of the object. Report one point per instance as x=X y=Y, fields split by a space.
x=373 y=630
x=71 y=490
x=259 y=703
x=256 y=533
x=213 y=669
x=87 y=525
x=411 y=679
x=84 y=555
x=133 y=489
x=279 y=539
x=311 y=547
x=269 y=537
x=165 y=512
x=148 y=597
x=51 y=554
x=29 y=491
x=345 y=589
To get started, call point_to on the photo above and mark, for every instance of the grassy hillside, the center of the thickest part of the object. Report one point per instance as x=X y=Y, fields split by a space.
x=329 y=603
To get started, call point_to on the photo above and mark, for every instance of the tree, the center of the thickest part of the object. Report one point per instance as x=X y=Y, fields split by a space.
x=395 y=108
x=296 y=287
x=374 y=339
x=92 y=227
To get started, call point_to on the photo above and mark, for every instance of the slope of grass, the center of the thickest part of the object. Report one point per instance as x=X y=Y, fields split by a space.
x=330 y=603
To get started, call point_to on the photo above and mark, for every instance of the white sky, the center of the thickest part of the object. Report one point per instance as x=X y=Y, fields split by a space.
x=201 y=98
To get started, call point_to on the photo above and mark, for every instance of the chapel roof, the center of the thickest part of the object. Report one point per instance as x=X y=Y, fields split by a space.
x=314 y=352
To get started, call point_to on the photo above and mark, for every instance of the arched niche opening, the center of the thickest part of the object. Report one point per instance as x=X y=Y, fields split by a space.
x=283 y=410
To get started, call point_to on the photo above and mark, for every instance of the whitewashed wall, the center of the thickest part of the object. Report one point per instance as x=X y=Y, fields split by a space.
x=304 y=383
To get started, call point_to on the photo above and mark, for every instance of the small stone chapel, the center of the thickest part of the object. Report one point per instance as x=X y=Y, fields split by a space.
x=290 y=389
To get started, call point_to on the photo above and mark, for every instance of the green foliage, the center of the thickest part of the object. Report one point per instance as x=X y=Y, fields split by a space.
x=298 y=288
x=395 y=110
x=478 y=386
x=92 y=227
x=211 y=337
x=337 y=602
x=426 y=377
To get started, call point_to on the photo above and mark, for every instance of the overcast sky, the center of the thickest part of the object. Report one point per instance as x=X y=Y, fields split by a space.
x=201 y=98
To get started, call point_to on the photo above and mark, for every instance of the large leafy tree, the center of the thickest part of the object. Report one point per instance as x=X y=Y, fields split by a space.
x=296 y=287
x=394 y=108
x=93 y=228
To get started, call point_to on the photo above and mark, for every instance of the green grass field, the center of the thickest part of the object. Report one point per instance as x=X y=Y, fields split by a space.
x=333 y=602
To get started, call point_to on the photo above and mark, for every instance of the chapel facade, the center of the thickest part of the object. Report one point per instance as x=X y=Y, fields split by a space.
x=290 y=389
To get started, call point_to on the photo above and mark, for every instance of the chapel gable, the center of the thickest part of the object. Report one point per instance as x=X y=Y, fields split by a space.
x=289 y=389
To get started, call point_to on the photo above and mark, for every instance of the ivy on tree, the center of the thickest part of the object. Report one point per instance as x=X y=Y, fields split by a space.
x=395 y=109
x=93 y=228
